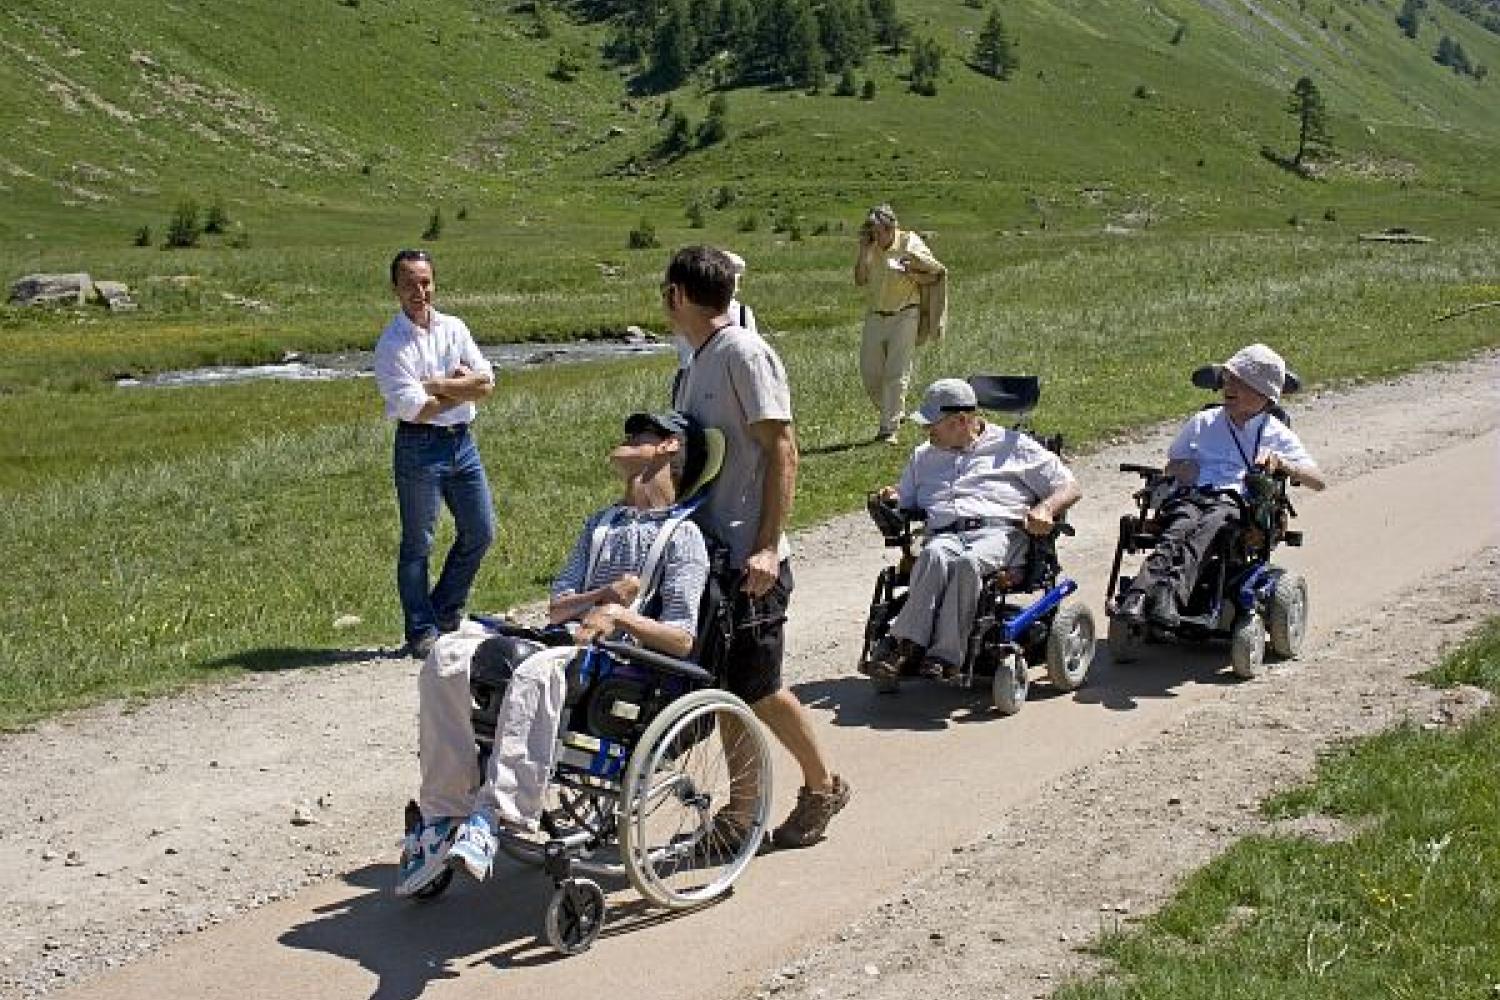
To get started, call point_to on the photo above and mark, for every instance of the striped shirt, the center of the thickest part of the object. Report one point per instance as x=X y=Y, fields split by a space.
x=627 y=541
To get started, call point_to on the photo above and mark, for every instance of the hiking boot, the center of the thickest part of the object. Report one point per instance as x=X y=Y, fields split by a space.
x=1132 y=607
x=935 y=669
x=424 y=856
x=474 y=847
x=421 y=645
x=889 y=657
x=809 y=818
x=1164 y=609
x=724 y=839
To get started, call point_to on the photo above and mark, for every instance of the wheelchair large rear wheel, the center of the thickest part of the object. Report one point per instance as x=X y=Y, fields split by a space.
x=1070 y=647
x=677 y=780
x=1286 y=616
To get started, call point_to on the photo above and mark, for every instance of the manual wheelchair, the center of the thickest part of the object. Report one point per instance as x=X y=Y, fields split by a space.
x=1240 y=596
x=1012 y=631
x=641 y=768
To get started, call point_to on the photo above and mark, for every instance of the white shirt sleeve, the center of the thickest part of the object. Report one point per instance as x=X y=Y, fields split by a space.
x=398 y=383
x=473 y=357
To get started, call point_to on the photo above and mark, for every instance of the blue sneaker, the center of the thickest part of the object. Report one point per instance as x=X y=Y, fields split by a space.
x=474 y=847
x=424 y=854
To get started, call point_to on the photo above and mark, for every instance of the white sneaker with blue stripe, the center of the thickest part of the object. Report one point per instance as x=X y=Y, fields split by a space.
x=424 y=854
x=474 y=847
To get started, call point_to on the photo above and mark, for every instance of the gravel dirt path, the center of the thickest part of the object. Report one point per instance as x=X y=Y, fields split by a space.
x=237 y=841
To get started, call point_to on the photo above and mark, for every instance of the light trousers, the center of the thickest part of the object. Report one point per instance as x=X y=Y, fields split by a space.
x=885 y=360
x=515 y=781
x=943 y=596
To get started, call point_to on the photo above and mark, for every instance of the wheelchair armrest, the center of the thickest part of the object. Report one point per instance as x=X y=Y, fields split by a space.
x=1144 y=471
x=631 y=653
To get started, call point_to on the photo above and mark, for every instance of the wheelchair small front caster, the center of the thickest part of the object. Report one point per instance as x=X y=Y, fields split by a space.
x=575 y=916
x=1011 y=683
x=1247 y=647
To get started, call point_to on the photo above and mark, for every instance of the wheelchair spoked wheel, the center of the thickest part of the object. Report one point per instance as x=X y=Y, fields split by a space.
x=1247 y=647
x=677 y=780
x=575 y=915
x=1070 y=647
x=1286 y=616
x=1011 y=684
x=567 y=811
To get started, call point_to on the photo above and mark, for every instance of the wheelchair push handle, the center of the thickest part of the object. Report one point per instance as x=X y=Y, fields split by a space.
x=1144 y=471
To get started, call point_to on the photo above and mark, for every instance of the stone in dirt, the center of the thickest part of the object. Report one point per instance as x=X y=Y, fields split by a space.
x=115 y=295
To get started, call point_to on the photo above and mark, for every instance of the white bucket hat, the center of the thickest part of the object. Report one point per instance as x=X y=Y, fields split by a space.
x=1259 y=367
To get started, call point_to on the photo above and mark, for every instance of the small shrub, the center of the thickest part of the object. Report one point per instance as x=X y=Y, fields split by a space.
x=1330 y=214
x=695 y=215
x=1179 y=34
x=217 y=219
x=434 y=228
x=723 y=196
x=643 y=236
x=847 y=87
x=794 y=233
x=821 y=229
x=183 y=230
x=239 y=238
x=868 y=92
x=1294 y=221
x=1143 y=92
x=143 y=236
x=567 y=67
x=711 y=130
x=462 y=215
x=749 y=222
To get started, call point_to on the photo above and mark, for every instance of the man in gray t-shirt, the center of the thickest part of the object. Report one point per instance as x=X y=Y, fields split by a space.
x=737 y=384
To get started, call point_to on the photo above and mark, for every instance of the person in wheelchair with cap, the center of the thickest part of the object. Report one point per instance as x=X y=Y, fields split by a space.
x=610 y=588
x=984 y=489
x=1209 y=460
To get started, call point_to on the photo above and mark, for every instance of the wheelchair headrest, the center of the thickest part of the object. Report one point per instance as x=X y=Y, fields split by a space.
x=1211 y=377
x=1007 y=393
x=705 y=460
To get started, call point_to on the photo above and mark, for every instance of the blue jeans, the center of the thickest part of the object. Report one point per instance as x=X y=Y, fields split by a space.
x=434 y=466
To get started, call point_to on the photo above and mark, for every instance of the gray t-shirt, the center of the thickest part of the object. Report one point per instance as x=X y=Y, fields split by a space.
x=736 y=380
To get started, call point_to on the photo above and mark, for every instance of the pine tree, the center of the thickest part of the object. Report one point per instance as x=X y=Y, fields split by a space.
x=994 y=54
x=926 y=64
x=1306 y=105
x=672 y=46
x=1409 y=17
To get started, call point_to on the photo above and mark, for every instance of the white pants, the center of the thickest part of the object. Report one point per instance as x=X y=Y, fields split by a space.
x=515 y=783
x=944 y=594
x=885 y=360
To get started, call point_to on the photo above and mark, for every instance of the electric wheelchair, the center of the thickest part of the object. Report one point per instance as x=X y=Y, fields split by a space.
x=642 y=765
x=1022 y=619
x=1240 y=596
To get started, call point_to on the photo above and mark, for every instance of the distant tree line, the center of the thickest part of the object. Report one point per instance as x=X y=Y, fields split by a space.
x=796 y=42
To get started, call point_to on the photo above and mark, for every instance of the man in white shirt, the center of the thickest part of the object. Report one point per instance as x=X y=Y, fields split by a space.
x=983 y=489
x=430 y=373
x=1211 y=454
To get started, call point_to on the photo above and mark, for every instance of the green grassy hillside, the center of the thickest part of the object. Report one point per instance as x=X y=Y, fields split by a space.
x=332 y=129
